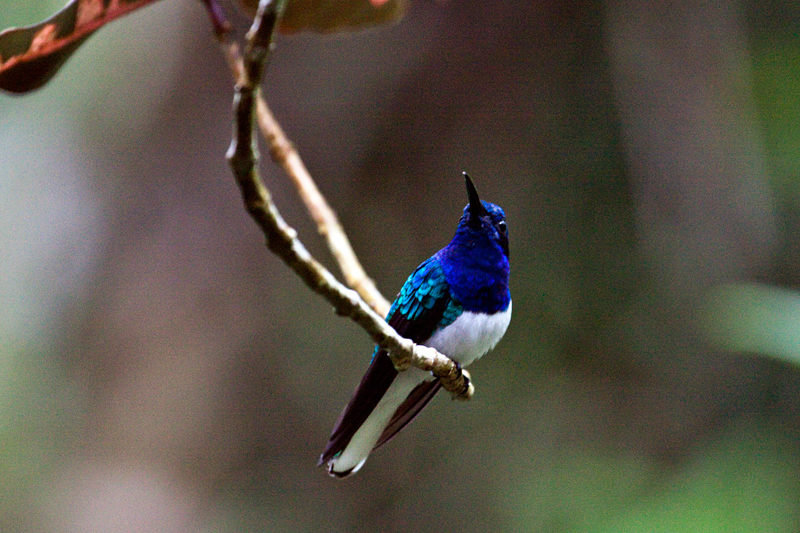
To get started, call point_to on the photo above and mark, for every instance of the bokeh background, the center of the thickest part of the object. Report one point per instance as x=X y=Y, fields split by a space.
x=161 y=371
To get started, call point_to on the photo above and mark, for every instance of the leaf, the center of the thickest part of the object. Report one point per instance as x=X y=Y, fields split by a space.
x=329 y=16
x=743 y=483
x=30 y=56
x=753 y=317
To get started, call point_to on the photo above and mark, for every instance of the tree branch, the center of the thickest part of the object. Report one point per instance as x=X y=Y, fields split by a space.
x=243 y=157
x=284 y=153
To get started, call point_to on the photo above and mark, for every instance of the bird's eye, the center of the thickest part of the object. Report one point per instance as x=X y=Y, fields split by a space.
x=501 y=227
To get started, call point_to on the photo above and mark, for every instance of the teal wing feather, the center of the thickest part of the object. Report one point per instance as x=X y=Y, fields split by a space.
x=419 y=310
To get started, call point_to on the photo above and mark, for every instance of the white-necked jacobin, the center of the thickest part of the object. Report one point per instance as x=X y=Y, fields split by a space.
x=457 y=302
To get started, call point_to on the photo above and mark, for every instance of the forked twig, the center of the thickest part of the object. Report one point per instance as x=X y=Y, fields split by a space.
x=282 y=239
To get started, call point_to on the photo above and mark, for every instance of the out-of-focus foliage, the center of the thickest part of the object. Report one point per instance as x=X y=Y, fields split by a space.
x=161 y=371
x=755 y=318
x=328 y=16
x=741 y=484
x=737 y=483
x=776 y=68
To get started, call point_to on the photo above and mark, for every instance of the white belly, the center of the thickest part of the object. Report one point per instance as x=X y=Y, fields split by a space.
x=471 y=335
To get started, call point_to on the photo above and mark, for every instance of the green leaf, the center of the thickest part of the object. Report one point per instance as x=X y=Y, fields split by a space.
x=752 y=317
x=745 y=483
x=743 y=480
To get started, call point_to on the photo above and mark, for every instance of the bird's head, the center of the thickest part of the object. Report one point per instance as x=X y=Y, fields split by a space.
x=482 y=219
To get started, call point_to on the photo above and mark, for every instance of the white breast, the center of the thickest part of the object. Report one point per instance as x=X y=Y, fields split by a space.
x=471 y=335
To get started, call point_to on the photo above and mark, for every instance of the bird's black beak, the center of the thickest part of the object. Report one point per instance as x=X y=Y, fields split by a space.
x=476 y=208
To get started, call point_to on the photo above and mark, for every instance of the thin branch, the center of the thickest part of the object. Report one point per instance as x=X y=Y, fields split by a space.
x=282 y=239
x=285 y=154
x=217 y=17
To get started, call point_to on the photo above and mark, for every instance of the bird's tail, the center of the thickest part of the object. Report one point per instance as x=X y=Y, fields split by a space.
x=391 y=413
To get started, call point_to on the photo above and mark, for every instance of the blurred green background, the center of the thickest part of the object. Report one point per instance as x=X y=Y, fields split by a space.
x=161 y=371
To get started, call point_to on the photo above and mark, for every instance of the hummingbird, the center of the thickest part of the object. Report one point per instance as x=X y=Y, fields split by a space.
x=457 y=302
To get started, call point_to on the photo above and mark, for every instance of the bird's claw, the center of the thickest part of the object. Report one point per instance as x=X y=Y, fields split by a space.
x=465 y=392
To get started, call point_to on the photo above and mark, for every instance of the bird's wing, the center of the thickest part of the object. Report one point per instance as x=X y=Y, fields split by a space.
x=415 y=314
